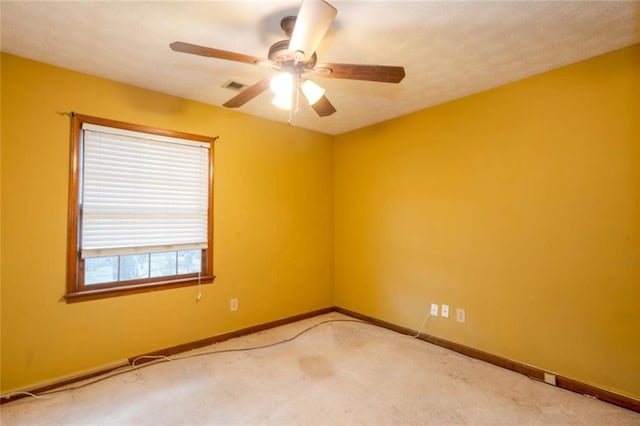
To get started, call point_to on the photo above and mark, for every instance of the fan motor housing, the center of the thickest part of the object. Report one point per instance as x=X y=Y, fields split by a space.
x=280 y=54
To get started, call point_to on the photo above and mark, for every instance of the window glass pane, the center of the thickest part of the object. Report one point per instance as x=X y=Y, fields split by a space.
x=134 y=266
x=99 y=270
x=189 y=261
x=163 y=264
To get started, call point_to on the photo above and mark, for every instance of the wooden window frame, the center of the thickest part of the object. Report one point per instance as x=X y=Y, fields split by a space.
x=76 y=290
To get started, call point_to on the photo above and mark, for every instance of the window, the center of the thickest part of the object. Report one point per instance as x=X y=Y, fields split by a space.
x=140 y=209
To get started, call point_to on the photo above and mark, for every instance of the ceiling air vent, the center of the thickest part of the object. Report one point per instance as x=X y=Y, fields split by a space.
x=234 y=85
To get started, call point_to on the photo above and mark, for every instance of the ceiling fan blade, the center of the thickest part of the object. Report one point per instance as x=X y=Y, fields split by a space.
x=323 y=107
x=247 y=94
x=313 y=21
x=380 y=73
x=179 y=46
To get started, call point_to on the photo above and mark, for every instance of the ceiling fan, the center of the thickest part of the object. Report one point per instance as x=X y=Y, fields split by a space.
x=295 y=57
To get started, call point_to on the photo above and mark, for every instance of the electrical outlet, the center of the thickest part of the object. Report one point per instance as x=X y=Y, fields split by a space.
x=460 y=315
x=434 y=309
x=233 y=305
x=444 y=311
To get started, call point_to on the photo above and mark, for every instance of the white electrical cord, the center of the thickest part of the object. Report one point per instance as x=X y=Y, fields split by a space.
x=199 y=296
x=154 y=357
x=31 y=394
x=162 y=358
x=422 y=325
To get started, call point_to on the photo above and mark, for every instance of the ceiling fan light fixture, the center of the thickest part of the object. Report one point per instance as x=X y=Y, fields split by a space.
x=282 y=84
x=282 y=102
x=312 y=91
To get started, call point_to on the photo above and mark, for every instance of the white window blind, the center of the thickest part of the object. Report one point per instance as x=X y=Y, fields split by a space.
x=142 y=193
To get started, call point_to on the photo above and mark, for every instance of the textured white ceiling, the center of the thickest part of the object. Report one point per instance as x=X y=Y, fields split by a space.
x=449 y=49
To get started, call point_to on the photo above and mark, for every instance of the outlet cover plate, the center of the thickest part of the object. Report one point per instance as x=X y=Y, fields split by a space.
x=460 y=315
x=233 y=305
x=444 y=312
x=434 y=309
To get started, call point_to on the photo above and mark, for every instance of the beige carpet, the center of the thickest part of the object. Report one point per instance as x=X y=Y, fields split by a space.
x=336 y=373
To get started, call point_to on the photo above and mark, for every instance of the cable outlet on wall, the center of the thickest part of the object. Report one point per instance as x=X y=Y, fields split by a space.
x=233 y=305
x=445 y=311
x=460 y=315
x=434 y=309
x=550 y=378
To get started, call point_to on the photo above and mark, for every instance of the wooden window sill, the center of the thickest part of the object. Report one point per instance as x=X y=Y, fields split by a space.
x=102 y=293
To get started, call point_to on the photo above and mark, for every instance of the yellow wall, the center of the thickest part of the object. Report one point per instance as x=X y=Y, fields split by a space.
x=273 y=226
x=521 y=205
